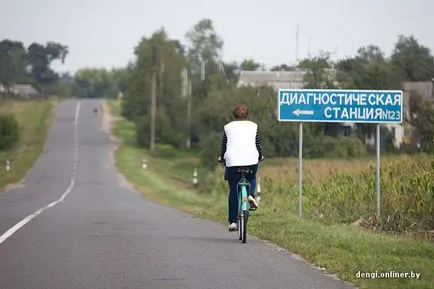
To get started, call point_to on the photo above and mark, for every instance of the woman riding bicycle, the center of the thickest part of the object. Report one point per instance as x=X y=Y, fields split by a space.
x=241 y=147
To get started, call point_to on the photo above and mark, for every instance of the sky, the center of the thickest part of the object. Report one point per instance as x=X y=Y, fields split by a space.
x=103 y=33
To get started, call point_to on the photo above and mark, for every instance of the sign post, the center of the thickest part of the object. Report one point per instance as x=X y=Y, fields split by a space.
x=300 y=166
x=378 y=170
x=339 y=106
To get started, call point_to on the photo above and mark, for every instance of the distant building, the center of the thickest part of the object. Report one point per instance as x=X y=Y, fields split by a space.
x=423 y=88
x=277 y=79
x=26 y=91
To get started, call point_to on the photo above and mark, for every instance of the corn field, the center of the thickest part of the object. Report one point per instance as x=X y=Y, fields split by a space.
x=348 y=196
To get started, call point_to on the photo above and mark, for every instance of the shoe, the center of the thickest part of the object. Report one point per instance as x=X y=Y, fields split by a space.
x=253 y=202
x=233 y=227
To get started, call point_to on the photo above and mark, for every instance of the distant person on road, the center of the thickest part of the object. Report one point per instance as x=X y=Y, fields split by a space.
x=241 y=147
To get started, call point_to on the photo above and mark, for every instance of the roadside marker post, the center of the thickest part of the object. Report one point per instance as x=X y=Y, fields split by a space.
x=258 y=190
x=339 y=106
x=195 y=180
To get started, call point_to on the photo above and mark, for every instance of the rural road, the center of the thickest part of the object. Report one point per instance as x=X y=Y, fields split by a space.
x=72 y=225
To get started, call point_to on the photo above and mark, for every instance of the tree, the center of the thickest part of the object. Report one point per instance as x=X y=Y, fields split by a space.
x=423 y=120
x=171 y=106
x=250 y=65
x=39 y=59
x=369 y=69
x=12 y=62
x=412 y=59
x=95 y=82
x=120 y=79
x=282 y=67
x=371 y=54
x=231 y=71
x=203 y=45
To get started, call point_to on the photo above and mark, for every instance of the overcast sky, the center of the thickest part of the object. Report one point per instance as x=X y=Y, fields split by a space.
x=103 y=33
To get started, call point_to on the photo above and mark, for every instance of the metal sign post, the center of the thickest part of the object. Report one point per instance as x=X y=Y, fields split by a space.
x=300 y=166
x=339 y=106
x=378 y=170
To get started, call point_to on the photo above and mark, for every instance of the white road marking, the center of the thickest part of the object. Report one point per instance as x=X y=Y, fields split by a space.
x=27 y=219
x=77 y=112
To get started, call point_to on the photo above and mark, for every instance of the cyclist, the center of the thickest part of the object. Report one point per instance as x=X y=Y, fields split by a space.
x=241 y=147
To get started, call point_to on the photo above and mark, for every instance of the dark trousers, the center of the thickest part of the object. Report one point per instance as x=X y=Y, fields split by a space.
x=233 y=177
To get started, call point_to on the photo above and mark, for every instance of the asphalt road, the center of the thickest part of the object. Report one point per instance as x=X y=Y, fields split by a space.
x=73 y=225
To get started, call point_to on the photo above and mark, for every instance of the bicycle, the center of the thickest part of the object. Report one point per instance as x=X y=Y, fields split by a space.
x=244 y=207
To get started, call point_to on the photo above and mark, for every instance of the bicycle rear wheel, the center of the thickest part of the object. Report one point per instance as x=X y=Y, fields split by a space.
x=244 y=226
x=240 y=230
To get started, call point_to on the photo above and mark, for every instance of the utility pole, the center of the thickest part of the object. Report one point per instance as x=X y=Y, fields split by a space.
x=153 y=97
x=189 y=113
x=186 y=92
x=202 y=70
x=162 y=78
x=296 y=44
x=309 y=44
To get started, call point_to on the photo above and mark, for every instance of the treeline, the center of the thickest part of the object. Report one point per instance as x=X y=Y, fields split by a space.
x=100 y=82
x=199 y=116
x=32 y=65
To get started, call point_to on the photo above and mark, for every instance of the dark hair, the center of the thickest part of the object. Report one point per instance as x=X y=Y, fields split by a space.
x=241 y=111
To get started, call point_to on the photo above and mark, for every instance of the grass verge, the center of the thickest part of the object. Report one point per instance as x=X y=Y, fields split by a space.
x=34 y=118
x=341 y=249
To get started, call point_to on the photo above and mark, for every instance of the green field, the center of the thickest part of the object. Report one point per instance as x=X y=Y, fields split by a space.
x=34 y=118
x=340 y=248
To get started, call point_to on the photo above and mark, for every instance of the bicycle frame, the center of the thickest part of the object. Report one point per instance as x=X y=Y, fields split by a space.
x=243 y=207
x=243 y=204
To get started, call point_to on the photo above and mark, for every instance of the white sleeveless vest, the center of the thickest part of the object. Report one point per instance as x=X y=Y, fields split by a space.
x=241 y=143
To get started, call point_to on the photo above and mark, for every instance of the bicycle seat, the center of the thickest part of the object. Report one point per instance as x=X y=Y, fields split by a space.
x=244 y=170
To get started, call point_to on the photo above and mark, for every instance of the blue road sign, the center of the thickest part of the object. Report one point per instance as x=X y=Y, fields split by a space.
x=337 y=105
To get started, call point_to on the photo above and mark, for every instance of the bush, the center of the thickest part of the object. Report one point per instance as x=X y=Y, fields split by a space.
x=331 y=147
x=9 y=131
x=142 y=132
x=210 y=150
x=165 y=151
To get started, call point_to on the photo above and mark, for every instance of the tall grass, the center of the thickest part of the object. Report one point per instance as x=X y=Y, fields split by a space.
x=345 y=191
